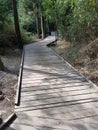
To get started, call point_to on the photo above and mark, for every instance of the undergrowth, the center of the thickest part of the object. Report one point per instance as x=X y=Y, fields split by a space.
x=83 y=57
x=68 y=52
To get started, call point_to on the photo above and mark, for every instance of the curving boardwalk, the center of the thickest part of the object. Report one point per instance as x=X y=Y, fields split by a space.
x=54 y=96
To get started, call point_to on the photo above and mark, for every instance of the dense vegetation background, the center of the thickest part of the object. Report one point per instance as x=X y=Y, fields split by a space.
x=75 y=20
x=22 y=20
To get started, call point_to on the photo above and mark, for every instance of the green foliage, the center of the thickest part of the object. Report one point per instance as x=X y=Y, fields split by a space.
x=27 y=37
x=27 y=14
x=82 y=21
x=7 y=27
x=71 y=53
x=75 y=20
x=5 y=10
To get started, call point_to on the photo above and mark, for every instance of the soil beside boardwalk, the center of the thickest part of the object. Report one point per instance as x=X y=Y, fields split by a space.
x=8 y=80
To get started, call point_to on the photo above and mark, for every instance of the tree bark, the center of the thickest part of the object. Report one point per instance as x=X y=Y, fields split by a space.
x=43 y=27
x=96 y=7
x=16 y=22
x=1 y=65
x=37 y=26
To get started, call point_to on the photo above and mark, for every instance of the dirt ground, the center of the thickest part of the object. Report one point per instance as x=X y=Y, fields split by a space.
x=8 y=80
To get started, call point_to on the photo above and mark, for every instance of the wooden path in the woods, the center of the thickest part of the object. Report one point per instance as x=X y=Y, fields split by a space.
x=54 y=96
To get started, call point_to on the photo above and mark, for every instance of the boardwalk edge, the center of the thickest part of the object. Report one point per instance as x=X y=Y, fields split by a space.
x=8 y=121
x=93 y=84
x=17 y=100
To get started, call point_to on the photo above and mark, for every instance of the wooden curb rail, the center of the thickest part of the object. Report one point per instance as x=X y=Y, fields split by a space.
x=13 y=116
x=8 y=121
x=17 y=100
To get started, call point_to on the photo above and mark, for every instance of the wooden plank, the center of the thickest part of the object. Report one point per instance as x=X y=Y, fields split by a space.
x=48 y=123
x=30 y=107
x=54 y=96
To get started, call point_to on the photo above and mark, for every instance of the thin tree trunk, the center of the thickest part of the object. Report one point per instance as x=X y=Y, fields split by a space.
x=1 y=65
x=16 y=22
x=96 y=6
x=37 y=26
x=43 y=27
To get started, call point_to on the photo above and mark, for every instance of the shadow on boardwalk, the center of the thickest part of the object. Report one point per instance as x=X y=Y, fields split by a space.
x=53 y=95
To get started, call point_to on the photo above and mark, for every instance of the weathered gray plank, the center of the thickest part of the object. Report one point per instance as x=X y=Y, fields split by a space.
x=54 y=96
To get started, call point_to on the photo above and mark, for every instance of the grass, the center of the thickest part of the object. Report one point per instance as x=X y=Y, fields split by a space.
x=71 y=54
x=68 y=51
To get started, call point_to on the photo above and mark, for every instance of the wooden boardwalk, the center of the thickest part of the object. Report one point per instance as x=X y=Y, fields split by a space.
x=54 y=96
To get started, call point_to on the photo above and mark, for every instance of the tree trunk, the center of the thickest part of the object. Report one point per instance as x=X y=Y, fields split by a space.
x=96 y=7
x=43 y=27
x=1 y=65
x=16 y=22
x=37 y=26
